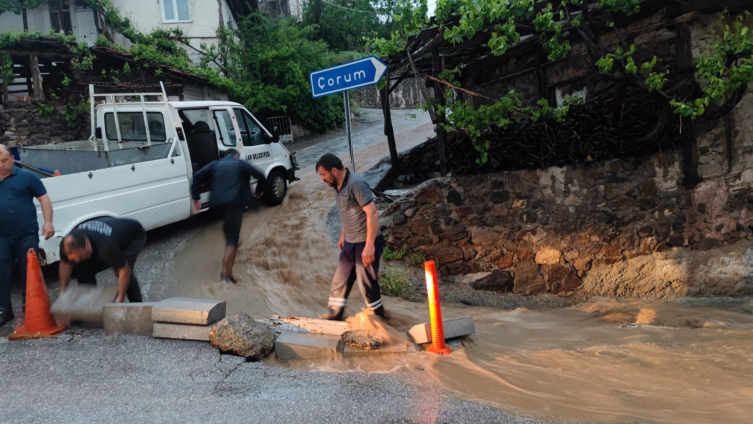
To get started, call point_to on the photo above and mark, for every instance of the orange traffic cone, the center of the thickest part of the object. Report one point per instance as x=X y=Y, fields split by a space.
x=38 y=320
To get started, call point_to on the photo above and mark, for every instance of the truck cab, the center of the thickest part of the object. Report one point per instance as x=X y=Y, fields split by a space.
x=205 y=131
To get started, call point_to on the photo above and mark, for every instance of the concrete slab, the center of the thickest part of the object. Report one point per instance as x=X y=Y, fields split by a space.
x=166 y=330
x=181 y=310
x=304 y=345
x=314 y=325
x=83 y=303
x=354 y=352
x=128 y=318
x=453 y=328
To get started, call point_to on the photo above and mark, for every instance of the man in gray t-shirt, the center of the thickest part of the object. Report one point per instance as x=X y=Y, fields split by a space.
x=361 y=243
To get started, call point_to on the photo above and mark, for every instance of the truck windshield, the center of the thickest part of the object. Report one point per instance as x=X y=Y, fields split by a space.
x=132 y=126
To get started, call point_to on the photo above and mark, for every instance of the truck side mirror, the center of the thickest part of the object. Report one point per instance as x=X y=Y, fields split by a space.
x=98 y=132
x=275 y=136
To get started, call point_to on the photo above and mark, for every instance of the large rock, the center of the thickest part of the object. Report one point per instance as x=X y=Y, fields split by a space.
x=499 y=281
x=548 y=256
x=455 y=198
x=455 y=232
x=483 y=236
x=560 y=278
x=498 y=197
x=419 y=227
x=506 y=260
x=431 y=193
x=527 y=279
x=444 y=254
x=458 y=268
x=242 y=336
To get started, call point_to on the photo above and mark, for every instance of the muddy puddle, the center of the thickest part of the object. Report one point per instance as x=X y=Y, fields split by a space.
x=598 y=362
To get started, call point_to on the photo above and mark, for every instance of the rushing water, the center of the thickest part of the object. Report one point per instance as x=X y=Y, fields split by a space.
x=602 y=361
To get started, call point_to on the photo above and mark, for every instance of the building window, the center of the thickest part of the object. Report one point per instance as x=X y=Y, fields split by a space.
x=60 y=16
x=175 y=11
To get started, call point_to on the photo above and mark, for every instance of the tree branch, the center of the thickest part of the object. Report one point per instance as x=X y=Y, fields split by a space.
x=715 y=112
x=205 y=55
x=472 y=93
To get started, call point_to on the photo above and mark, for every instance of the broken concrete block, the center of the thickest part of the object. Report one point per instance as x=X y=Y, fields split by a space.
x=83 y=303
x=128 y=318
x=182 y=310
x=453 y=328
x=305 y=345
x=166 y=330
x=335 y=328
x=354 y=352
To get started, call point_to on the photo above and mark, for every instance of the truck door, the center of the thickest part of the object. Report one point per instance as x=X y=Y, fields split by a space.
x=255 y=148
x=228 y=131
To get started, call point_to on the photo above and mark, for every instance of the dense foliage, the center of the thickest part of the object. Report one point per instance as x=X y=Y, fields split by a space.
x=344 y=24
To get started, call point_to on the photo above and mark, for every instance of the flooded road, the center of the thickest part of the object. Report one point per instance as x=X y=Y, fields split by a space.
x=602 y=361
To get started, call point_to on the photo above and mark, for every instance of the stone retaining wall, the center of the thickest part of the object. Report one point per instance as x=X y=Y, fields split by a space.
x=21 y=123
x=623 y=228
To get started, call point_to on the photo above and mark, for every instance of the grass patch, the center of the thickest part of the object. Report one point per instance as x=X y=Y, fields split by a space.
x=393 y=283
x=392 y=255
x=417 y=258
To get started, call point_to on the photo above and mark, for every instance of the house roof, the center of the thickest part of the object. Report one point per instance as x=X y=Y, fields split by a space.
x=53 y=49
x=110 y=53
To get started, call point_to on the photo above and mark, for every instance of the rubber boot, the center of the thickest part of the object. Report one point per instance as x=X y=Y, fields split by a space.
x=334 y=315
x=379 y=311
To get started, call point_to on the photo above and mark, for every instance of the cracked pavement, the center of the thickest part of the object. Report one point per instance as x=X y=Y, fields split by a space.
x=140 y=379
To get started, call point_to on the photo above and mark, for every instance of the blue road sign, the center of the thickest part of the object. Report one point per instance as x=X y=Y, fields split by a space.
x=348 y=76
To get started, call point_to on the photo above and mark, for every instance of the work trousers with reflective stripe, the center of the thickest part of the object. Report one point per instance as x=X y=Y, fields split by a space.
x=350 y=269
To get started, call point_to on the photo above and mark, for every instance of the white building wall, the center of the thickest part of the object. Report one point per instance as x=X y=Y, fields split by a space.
x=147 y=15
x=10 y=22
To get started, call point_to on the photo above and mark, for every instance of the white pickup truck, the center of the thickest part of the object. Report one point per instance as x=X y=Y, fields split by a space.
x=141 y=157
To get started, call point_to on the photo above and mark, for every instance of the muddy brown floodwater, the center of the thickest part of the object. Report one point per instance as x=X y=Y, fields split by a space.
x=603 y=361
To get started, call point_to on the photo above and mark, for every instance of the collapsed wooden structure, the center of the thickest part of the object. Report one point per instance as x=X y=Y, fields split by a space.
x=525 y=66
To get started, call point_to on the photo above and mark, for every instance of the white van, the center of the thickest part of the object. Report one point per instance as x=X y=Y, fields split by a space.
x=141 y=157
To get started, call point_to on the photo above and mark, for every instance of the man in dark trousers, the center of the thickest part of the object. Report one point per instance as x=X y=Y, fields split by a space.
x=102 y=243
x=229 y=194
x=361 y=242
x=19 y=230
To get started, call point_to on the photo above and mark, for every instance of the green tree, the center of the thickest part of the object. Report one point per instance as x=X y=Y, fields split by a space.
x=17 y=6
x=345 y=24
x=271 y=62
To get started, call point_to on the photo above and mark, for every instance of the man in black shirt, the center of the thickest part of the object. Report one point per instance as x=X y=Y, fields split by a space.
x=99 y=244
x=230 y=193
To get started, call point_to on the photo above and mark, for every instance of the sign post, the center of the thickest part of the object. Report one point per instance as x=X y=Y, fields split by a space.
x=346 y=99
x=343 y=78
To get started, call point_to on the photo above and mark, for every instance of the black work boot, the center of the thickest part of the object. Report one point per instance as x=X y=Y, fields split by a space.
x=333 y=315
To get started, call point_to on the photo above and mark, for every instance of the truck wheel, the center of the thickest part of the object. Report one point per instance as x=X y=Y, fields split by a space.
x=277 y=186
